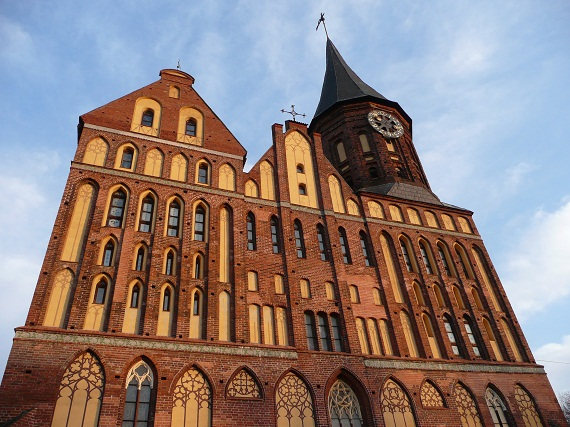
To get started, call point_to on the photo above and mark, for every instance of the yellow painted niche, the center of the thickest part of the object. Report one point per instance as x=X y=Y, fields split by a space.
x=142 y=105
x=130 y=166
x=267 y=180
x=96 y=152
x=133 y=308
x=251 y=189
x=336 y=194
x=376 y=209
x=97 y=311
x=164 y=325
x=190 y=407
x=78 y=224
x=59 y=299
x=227 y=178
x=153 y=163
x=179 y=168
x=300 y=170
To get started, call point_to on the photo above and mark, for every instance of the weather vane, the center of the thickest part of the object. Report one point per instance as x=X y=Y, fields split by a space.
x=293 y=113
x=322 y=19
x=178 y=66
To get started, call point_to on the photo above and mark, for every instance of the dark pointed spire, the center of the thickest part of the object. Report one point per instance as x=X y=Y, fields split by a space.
x=341 y=83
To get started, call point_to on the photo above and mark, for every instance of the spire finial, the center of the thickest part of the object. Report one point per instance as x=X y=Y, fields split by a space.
x=322 y=19
x=293 y=112
x=178 y=66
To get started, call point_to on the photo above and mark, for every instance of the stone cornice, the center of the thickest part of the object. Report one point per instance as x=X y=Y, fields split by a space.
x=457 y=367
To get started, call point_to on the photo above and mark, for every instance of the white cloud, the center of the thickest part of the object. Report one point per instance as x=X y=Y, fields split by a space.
x=17 y=46
x=537 y=271
x=558 y=373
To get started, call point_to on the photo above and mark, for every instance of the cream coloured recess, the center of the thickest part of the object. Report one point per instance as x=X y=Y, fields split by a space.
x=141 y=106
x=133 y=305
x=96 y=152
x=376 y=210
x=59 y=299
x=251 y=189
x=224 y=316
x=192 y=400
x=97 y=310
x=392 y=274
x=267 y=181
x=227 y=178
x=153 y=163
x=336 y=194
x=298 y=152
x=165 y=316
x=187 y=113
x=179 y=168
x=225 y=245
x=78 y=224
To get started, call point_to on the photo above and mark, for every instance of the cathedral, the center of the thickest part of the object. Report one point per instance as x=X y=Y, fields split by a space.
x=327 y=286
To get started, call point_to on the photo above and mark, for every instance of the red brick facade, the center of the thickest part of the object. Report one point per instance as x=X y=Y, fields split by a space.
x=40 y=354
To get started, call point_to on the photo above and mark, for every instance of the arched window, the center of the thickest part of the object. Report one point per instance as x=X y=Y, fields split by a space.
x=364 y=143
x=127 y=158
x=344 y=408
x=196 y=314
x=471 y=336
x=499 y=411
x=458 y=297
x=365 y=245
x=409 y=334
x=324 y=332
x=464 y=261
x=153 y=163
x=251 y=189
x=224 y=319
x=444 y=257
x=299 y=239
x=282 y=329
x=100 y=292
x=140 y=258
x=279 y=288
x=430 y=396
x=438 y=296
x=165 y=312
x=431 y=219
x=117 y=209
x=166 y=300
x=376 y=296
x=293 y=403
x=198 y=272
x=396 y=213
x=300 y=168
x=388 y=250
x=418 y=293
x=140 y=382
x=376 y=210
x=466 y=406
x=275 y=235
x=203 y=173
x=250 y=225
x=527 y=407
x=448 y=222
x=432 y=340
x=426 y=258
x=254 y=324
x=407 y=254
x=396 y=407
x=321 y=238
x=96 y=152
x=147 y=118
x=384 y=332
x=190 y=128
x=476 y=298
x=302 y=189
x=414 y=216
x=169 y=263
x=80 y=393
x=147 y=209
x=243 y=385
x=344 y=248
x=59 y=299
x=173 y=226
x=192 y=400
x=354 y=295
x=199 y=223
x=268 y=325
x=227 y=177
x=178 y=168
x=449 y=329
x=492 y=339
x=135 y=293
x=340 y=151
x=78 y=223
x=336 y=335
x=310 y=331
x=511 y=340
x=108 y=253
x=374 y=336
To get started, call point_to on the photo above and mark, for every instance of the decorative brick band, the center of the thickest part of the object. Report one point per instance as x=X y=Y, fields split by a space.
x=154 y=345
x=458 y=367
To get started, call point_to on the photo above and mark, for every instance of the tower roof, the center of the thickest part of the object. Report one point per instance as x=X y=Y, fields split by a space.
x=341 y=83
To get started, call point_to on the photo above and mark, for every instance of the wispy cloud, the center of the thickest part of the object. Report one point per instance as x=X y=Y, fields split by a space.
x=555 y=357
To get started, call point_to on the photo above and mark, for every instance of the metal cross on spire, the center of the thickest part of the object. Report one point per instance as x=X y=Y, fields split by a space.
x=322 y=19
x=293 y=113
x=178 y=66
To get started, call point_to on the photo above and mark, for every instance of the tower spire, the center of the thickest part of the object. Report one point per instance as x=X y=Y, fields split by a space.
x=322 y=19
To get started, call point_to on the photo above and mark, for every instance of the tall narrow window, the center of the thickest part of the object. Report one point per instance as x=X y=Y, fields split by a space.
x=426 y=258
x=451 y=335
x=116 y=209
x=499 y=411
x=100 y=292
x=344 y=408
x=199 y=220
x=190 y=127
x=147 y=208
x=138 y=397
x=365 y=249
x=374 y=336
x=127 y=158
x=147 y=118
x=250 y=223
x=344 y=249
x=166 y=300
x=443 y=257
x=324 y=332
x=458 y=298
x=471 y=336
x=169 y=263
x=364 y=143
x=340 y=151
x=438 y=296
x=135 y=296
x=198 y=266
x=362 y=335
x=406 y=256
x=196 y=304
x=203 y=173
x=274 y=235
x=299 y=239
x=464 y=261
x=108 y=253
x=310 y=331
x=173 y=219
x=322 y=242
x=336 y=335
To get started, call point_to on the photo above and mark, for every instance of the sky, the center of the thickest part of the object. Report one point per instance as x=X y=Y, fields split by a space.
x=486 y=84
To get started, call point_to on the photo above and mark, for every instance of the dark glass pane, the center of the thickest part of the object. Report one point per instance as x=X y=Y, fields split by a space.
x=147 y=118
x=196 y=305
x=131 y=396
x=191 y=128
x=144 y=394
x=135 y=297
x=100 y=293
x=309 y=328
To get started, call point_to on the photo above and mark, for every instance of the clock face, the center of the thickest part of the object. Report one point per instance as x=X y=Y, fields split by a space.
x=386 y=124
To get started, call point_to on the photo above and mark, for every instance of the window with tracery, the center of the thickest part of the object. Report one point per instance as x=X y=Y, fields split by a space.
x=293 y=403
x=430 y=396
x=527 y=408
x=396 y=407
x=192 y=400
x=244 y=386
x=80 y=393
x=499 y=411
x=468 y=412
x=344 y=408
x=140 y=382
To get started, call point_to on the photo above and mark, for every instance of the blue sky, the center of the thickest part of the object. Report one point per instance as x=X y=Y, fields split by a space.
x=486 y=84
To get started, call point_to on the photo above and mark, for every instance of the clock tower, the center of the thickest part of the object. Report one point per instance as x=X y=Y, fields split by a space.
x=367 y=137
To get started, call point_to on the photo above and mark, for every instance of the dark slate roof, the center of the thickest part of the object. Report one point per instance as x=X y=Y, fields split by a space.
x=341 y=83
x=405 y=191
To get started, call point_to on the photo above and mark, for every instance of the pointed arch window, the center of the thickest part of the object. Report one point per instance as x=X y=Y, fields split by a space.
x=527 y=407
x=499 y=411
x=135 y=296
x=293 y=403
x=324 y=332
x=147 y=118
x=466 y=406
x=138 y=397
x=430 y=396
x=140 y=258
x=199 y=222
x=299 y=239
x=364 y=243
x=147 y=208
x=203 y=173
x=196 y=315
x=127 y=158
x=344 y=248
x=192 y=400
x=344 y=408
x=100 y=292
x=444 y=259
x=321 y=238
x=396 y=407
x=108 y=253
x=354 y=295
x=464 y=261
x=406 y=255
x=190 y=128
x=251 y=238
x=166 y=299
x=173 y=227
x=447 y=323
x=310 y=331
x=336 y=335
x=274 y=235
x=300 y=168
x=426 y=258
x=117 y=209
x=169 y=264
x=471 y=336
x=198 y=266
